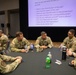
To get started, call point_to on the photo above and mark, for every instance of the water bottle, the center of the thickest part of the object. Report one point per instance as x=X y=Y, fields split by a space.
x=64 y=52
x=31 y=46
x=50 y=56
x=25 y=47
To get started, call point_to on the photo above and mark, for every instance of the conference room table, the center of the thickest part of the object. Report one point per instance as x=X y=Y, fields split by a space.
x=34 y=63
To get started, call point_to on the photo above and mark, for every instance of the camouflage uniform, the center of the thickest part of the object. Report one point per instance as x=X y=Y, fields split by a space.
x=74 y=54
x=18 y=45
x=3 y=42
x=41 y=42
x=70 y=43
x=75 y=62
x=4 y=68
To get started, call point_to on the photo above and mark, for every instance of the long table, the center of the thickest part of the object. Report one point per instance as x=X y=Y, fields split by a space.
x=34 y=63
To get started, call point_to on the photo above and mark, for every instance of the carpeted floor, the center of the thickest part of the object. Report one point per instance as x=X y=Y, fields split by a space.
x=56 y=44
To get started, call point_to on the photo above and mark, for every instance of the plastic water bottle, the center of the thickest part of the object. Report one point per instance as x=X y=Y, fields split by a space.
x=50 y=56
x=31 y=46
x=25 y=47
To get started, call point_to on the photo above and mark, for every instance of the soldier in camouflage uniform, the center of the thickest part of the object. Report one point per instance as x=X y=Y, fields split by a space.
x=18 y=44
x=70 y=41
x=43 y=42
x=6 y=68
x=3 y=41
x=70 y=53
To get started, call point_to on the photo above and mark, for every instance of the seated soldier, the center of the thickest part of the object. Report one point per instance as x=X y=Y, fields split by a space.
x=6 y=68
x=18 y=44
x=43 y=42
x=70 y=41
x=73 y=62
x=3 y=41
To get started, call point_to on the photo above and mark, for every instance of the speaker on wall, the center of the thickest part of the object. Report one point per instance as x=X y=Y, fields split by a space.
x=2 y=25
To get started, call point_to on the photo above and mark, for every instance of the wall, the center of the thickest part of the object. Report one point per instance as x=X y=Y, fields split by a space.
x=9 y=4
x=14 y=23
x=14 y=17
x=2 y=20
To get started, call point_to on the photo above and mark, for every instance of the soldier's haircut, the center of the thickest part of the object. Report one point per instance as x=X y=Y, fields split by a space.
x=72 y=31
x=18 y=34
x=43 y=32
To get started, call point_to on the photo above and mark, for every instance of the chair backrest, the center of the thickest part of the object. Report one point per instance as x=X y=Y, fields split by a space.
x=8 y=47
x=8 y=44
x=6 y=51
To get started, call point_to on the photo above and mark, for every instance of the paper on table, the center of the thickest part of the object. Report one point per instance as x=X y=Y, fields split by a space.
x=58 y=62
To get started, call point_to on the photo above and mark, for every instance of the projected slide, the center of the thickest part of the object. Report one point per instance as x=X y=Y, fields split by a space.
x=51 y=13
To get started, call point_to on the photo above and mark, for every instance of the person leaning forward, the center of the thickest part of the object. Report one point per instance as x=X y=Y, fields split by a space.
x=43 y=42
x=6 y=68
x=70 y=40
x=18 y=44
x=3 y=41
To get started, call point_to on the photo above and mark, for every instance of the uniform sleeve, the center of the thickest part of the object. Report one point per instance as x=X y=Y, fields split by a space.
x=73 y=48
x=13 y=48
x=7 y=58
x=74 y=54
x=64 y=42
x=50 y=45
x=75 y=62
x=4 y=68
x=37 y=43
x=2 y=65
x=4 y=43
